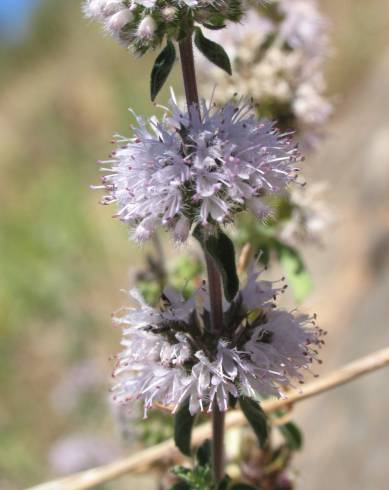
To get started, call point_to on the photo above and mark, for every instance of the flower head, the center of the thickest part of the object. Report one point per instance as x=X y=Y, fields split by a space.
x=146 y=28
x=277 y=55
x=303 y=26
x=144 y=24
x=170 y=355
x=103 y=9
x=310 y=216
x=188 y=169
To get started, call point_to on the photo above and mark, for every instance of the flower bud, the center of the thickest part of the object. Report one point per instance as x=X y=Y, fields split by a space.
x=116 y=22
x=146 y=28
x=258 y=207
x=101 y=9
x=181 y=230
x=145 y=229
x=169 y=13
x=93 y=9
x=111 y=7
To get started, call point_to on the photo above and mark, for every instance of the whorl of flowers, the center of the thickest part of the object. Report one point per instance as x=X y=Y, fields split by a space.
x=187 y=169
x=171 y=356
x=277 y=55
x=310 y=215
x=143 y=24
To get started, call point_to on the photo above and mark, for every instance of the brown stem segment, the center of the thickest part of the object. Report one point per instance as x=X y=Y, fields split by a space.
x=218 y=428
x=188 y=71
x=215 y=296
x=214 y=281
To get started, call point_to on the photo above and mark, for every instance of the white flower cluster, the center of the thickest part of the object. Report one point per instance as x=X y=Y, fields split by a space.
x=120 y=20
x=310 y=215
x=143 y=24
x=189 y=169
x=277 y=55
x=170 y=355
x=115 y=14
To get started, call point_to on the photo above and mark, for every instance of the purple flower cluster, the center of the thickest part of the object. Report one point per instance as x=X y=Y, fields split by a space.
x=189 y=169
x=170 y=356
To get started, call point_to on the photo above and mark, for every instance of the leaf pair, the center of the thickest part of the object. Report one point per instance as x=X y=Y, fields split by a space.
x=184 y=421
x=258 y=421
x=165 y=61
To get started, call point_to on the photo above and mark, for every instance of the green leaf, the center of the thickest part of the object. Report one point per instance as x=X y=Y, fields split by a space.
x=298 y=277
x=212 y=51
x=181 y=486
x=292 y=435
x=221 y=249
x=213 y=27
x=256 y=418
x=184 y=473
x=264 y=255
x=203 y=454
x=224 y=484
x=183 y=425
x=162 y=67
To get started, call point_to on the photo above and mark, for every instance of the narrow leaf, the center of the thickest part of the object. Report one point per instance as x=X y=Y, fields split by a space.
x=181 y=486
x=183 y=425
x=295 y=270
x=214 y=27
x=221 y=249
x=256 y=418
x=161 y=69
x=212 y=51
x=203 y=454
x=292 y=435
x=225 y=483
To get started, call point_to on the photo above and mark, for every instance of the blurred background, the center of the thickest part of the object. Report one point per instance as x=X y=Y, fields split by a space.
x=64 y=88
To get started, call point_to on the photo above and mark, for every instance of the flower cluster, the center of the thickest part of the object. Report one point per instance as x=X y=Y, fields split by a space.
x=143 y=24
x=171 y=356
x=277 y=55
x=191 y=169
x=310 y=216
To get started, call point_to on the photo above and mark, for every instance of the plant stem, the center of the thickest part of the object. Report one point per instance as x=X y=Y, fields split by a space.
x=215 y=296
x=214 y=281
x=218 y=427
x=189 y=72
x=159 y=264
